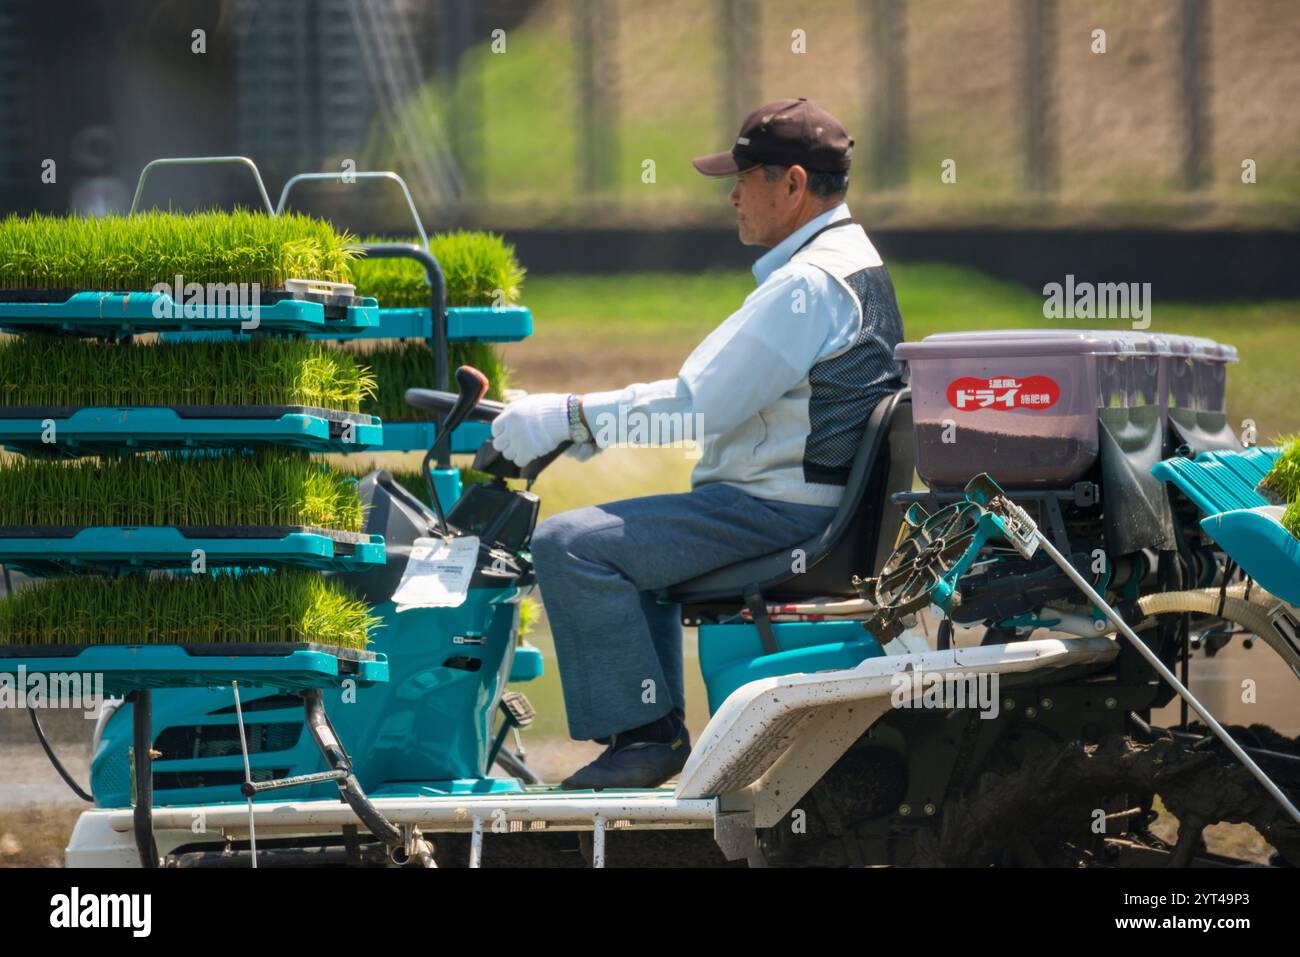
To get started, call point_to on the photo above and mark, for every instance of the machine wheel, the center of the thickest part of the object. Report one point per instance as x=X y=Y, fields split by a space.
x=866 y=782
x=1049 y=810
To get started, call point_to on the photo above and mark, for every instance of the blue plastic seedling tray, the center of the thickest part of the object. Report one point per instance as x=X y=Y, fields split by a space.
x=411 y=436
x=42 y=550
x=127 y=313
x=464 y=324
x=1256 y=539
x=96 y=430
x=1220 y=481
x=129 y=668
x=1247 y=527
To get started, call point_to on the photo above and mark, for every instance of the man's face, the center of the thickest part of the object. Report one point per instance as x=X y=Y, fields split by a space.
x=765 y=210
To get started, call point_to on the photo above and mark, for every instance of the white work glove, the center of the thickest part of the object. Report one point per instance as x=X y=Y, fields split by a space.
x=531 y=426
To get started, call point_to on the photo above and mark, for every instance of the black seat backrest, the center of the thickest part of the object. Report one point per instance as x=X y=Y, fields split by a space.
x=852 y=544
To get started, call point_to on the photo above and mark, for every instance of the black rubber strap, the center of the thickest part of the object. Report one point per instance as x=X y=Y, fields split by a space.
x=758 y=611
x=835 y=225
x=1228 y=572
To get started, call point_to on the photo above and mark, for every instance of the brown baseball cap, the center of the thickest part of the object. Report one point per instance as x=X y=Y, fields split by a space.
x=784 y=133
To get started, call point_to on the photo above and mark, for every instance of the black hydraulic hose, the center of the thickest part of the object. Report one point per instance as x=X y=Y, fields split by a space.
x=322 y=732
x=58 y=765
x=142 y=744
x=1229 y=570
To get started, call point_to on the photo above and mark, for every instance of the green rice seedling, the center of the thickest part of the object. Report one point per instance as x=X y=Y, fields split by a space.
x=1291 y=518
x=286 y=606
x=138 y=252
x=1283 y=480
x=1282 y=484
x=480 y=269
x=409 y=364
x=41 y=370
x=269 y=487
x=529 y=613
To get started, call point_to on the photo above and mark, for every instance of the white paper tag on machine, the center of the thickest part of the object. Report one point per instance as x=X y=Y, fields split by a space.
x=437 y=573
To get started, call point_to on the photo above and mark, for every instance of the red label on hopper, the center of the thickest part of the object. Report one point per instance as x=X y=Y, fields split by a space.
x=1006 y=392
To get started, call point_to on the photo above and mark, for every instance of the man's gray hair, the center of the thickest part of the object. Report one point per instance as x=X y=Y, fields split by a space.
x=821 y=185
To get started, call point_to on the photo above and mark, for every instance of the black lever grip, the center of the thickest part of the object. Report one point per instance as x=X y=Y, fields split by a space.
x=485 y=410
x=489 y=460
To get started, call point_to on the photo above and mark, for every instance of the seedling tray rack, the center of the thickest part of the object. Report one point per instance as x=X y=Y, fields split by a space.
x=99 y=430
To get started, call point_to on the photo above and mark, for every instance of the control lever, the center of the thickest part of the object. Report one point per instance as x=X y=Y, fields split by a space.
x=473 y=386
x=488 y=459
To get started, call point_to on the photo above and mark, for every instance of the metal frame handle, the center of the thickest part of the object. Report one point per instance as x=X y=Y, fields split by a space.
x=385 y=175
x=201 y=161
x=437 y=306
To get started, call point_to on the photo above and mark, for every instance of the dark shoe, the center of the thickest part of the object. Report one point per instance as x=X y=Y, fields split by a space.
x=636 y=764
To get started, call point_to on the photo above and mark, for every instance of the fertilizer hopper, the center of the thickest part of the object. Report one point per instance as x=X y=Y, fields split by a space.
x=1072 y=422
x=1022 y=403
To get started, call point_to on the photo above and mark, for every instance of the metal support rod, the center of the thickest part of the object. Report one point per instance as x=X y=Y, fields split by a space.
x=202 y=161
x=598 y=841
x=294 y=781
x=142 y=743
x=1169 y=676
x=499 y=740
x=476 y=843
x=368 y=174
x=248 y=774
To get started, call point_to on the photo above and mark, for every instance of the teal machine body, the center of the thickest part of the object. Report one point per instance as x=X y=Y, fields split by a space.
x=428 y=730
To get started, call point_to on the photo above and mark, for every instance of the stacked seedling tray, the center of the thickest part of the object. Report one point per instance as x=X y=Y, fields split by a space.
x=67 y=397
x=476 y=308
x=102 y=277
x=166 y=491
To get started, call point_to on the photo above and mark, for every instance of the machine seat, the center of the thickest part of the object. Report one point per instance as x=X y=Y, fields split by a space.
x=852 y=544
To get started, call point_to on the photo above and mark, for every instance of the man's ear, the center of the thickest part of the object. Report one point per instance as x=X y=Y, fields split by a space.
x=798 y=180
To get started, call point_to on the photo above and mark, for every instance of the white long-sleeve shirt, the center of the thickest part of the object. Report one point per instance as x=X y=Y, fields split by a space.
x=747 y=387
